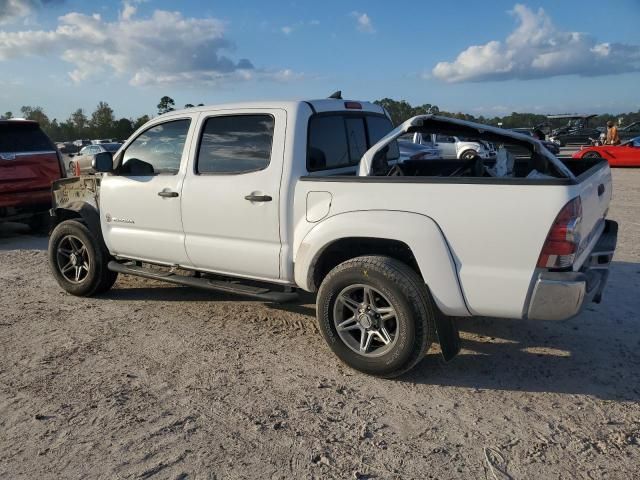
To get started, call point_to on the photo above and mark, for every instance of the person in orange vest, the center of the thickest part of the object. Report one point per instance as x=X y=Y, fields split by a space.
x=612 y=134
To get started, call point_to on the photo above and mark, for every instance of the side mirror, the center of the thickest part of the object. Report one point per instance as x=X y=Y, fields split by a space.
x=72 y=154
x=103 y=162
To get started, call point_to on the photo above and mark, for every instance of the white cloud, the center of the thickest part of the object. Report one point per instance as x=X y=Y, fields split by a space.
x=286 y=30
x=10 y=10
x=537 y=49
x=363 y=22
x=164 y=48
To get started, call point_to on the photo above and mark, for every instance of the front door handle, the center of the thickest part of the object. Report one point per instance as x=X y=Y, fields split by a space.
x=258 y=198
x=168 y=194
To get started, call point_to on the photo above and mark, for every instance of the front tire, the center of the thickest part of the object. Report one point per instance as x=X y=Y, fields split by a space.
x=377 y=315
x=468 y=154
x=78 y=260
x=592 y=155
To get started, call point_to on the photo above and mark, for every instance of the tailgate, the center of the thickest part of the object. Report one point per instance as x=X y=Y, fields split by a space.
x=595 y=190
x=21 y=172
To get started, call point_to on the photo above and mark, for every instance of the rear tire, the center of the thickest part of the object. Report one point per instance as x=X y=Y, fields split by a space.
x=78 y=260
x=391 y=336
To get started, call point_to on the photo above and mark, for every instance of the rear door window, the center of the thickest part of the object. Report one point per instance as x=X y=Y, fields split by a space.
x=235 y=144
x=22 y=137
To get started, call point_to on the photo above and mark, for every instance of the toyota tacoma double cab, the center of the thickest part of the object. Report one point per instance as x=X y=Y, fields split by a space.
x=266 y=199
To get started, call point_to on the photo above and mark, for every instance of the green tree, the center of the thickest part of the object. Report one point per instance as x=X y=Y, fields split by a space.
x=166 y=105
x=189 y=105
x=122 y=129
x=7 y=115
x=79 y=120
x=102 y=120
x=138 y=122
x=35 y=113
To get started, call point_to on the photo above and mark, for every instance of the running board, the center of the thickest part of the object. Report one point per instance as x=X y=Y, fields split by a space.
x=206 y=283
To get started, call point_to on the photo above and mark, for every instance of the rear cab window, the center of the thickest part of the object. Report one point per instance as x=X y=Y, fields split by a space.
x=338 y=140
x=23 y=137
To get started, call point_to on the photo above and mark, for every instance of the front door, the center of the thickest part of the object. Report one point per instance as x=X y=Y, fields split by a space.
x=140 y=202
x=231 y=200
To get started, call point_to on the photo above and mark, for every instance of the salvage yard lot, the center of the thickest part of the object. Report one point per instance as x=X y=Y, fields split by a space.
x=152 y=380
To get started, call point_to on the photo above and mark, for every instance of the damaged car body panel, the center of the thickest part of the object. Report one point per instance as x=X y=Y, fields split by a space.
x=77 y=197
x=453 y=126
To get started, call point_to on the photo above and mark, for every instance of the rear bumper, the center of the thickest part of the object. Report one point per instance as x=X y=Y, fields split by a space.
x=562 y=295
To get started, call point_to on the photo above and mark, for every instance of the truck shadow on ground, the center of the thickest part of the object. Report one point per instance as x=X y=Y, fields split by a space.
x=595 y=353
x=18 y=236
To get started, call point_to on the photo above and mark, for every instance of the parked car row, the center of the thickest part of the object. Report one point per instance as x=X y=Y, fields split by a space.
x=83 y=161
x=551 y=146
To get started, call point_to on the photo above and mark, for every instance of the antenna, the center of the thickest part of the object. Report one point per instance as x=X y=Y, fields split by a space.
x=336 y=95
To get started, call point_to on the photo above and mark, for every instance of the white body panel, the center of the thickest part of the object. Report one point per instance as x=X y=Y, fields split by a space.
x=476 y=244
x=226 y=233
x=136 y=222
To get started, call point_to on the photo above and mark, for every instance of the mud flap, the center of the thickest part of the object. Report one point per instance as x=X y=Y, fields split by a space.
x=449 y=336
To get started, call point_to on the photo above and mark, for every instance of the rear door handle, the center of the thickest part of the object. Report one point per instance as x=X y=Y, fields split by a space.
x=168 y=194
x=258 y=198
x=601 y=189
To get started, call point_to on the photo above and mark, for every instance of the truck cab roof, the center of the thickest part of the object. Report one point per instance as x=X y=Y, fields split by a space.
x=317 y=106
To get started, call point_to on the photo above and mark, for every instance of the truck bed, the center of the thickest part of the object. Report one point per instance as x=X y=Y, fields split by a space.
x=494 y=227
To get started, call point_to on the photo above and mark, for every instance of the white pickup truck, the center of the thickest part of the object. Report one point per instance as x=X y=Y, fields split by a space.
x=265 y=199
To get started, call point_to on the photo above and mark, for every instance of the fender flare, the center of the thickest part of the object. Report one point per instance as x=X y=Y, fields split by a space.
x=419 y=232
x=87 y=212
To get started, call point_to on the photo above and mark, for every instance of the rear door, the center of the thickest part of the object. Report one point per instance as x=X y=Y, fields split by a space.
x=231 y=195
x=28 y=160
x=140 y=202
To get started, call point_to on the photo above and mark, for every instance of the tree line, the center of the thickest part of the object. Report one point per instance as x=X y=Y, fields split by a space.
x=402 y=110
x=102 y=122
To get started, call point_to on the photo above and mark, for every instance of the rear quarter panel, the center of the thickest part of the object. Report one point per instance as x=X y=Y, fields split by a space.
x=494 y=232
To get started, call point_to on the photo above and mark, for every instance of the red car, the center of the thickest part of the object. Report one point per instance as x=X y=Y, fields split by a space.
x=624 y=155
x=29 y=163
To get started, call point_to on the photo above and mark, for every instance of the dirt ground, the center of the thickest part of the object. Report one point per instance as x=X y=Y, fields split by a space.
x=158 y=381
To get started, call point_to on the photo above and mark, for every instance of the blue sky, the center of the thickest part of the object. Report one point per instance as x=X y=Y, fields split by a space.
x=571 y=56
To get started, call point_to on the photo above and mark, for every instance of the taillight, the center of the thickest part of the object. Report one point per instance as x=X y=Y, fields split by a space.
x=561 y=245
x=353 y=105
x=76 y=169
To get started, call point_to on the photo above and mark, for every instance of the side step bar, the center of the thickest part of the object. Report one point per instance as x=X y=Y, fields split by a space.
x=260 y=293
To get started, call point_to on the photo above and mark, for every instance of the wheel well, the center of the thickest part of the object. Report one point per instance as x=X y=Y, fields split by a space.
x=63 y=214
x=347 y=248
